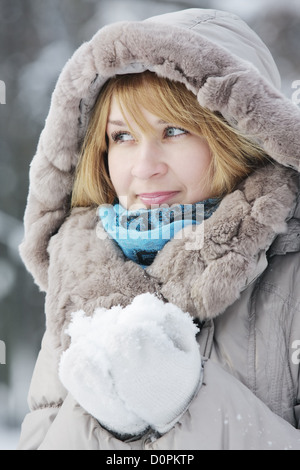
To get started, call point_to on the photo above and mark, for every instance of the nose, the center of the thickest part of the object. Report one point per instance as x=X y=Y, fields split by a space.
x=149 y=161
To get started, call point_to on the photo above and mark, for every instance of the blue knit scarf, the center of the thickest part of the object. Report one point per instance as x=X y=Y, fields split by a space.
x=142 y=233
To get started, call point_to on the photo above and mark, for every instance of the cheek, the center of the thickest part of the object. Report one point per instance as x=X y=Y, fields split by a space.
x=112 y=170
x=118 y=174
x=196 y=175
x=196 y=166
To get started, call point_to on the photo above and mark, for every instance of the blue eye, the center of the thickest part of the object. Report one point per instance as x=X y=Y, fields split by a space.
x=122 y=137
x=174 y=132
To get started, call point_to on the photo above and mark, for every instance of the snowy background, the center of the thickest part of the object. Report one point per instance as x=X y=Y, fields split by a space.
x=36 y=39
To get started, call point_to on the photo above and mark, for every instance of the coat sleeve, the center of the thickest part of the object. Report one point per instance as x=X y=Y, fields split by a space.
x=45 y=397
x=56 y=421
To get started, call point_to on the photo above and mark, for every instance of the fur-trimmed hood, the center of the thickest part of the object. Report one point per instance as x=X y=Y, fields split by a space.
x=213 y=53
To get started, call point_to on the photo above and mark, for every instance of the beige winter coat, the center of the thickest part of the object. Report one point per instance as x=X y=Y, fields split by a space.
x=242 y=284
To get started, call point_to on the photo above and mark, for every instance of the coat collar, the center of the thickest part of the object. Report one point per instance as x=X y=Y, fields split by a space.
x=203 y=272
x=206 y=270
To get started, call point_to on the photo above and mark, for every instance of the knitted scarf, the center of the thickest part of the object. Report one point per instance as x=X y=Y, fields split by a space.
x=142 y=233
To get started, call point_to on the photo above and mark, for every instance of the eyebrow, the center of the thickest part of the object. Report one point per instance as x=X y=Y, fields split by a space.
x=117 y=123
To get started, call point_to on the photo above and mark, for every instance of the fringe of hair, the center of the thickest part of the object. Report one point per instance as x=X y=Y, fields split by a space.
x=234 y=156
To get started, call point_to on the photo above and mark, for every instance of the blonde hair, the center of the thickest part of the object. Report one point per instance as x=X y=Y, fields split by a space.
x=233 y=155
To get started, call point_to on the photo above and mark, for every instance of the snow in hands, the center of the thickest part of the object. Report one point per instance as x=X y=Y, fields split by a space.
x=158 y=343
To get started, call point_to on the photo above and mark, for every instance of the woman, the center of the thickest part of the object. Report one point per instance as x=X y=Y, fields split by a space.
x=163 y=225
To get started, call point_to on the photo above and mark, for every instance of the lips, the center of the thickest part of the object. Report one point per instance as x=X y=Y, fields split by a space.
x=158 y=197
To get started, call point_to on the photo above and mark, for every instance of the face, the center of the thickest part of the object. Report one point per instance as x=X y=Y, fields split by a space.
x=168 y=166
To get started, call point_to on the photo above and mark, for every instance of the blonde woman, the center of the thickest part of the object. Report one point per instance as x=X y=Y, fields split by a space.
x=163 y=225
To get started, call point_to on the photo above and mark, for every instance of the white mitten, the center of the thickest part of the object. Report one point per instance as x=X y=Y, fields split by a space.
x=85 y=371
x=146 y=361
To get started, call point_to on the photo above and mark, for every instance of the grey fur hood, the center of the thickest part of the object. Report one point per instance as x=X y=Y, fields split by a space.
x=213 y=53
